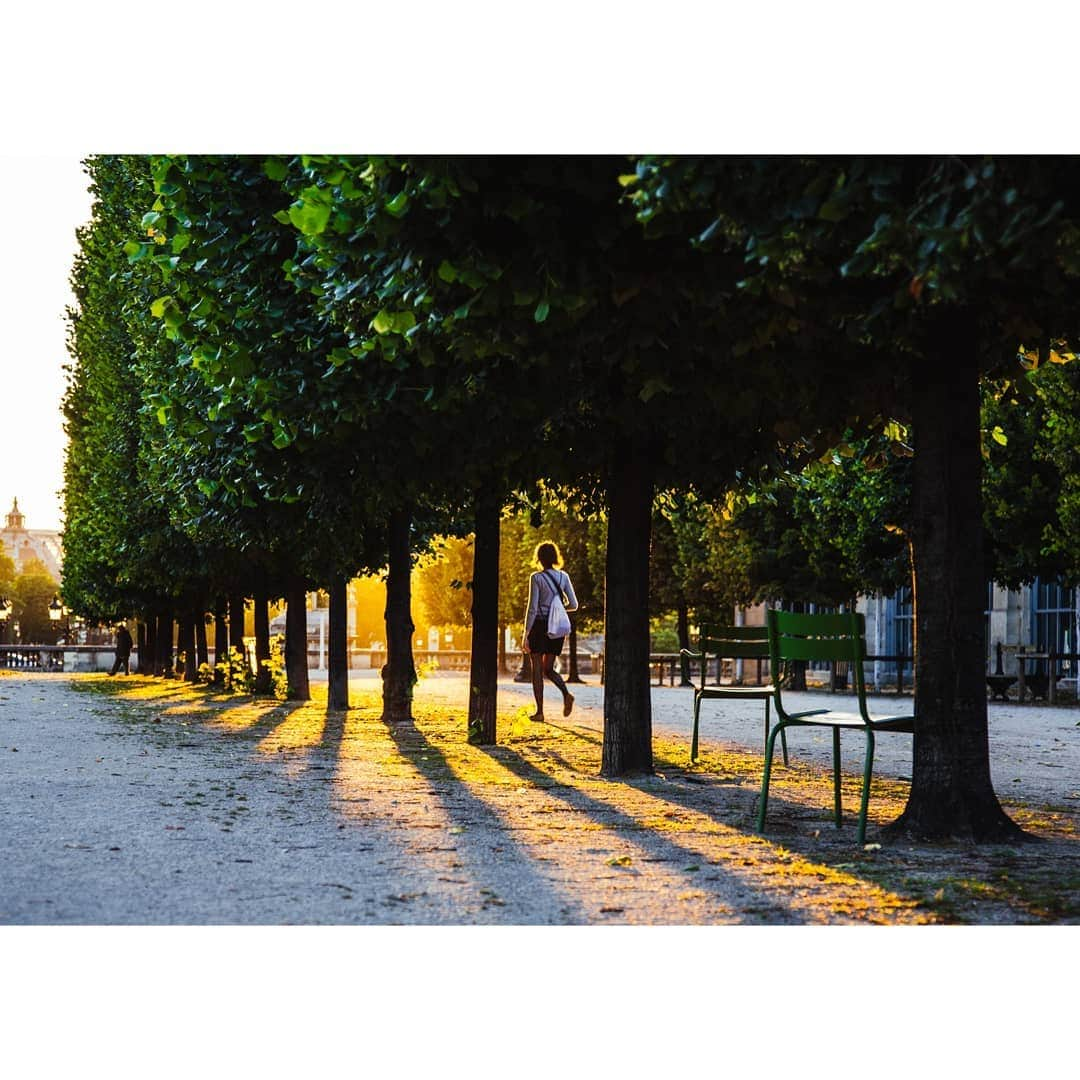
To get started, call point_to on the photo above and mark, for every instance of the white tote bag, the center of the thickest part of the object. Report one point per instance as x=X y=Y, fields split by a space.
x=558 y=621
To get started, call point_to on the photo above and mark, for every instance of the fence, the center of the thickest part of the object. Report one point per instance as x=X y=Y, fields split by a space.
x=57 y=657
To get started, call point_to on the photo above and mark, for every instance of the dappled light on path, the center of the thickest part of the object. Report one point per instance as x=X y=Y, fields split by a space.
x=302 y=728
x=635 y=830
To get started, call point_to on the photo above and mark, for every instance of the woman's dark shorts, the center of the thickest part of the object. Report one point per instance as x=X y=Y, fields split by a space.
x=539 y=642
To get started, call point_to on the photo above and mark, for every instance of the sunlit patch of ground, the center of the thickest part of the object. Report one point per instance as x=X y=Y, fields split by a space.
x=676 y=847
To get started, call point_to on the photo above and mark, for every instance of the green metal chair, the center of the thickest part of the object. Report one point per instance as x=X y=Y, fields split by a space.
x=730 y=643
x=794 y=636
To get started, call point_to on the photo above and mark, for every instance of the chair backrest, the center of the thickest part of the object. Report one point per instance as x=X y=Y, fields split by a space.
x=735 y=642
x=796 y=636
x=732 y=643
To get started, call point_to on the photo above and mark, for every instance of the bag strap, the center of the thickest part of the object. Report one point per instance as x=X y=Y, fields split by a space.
x=558 y=588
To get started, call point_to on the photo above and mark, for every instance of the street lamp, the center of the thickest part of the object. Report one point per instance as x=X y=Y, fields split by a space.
x=58 y=611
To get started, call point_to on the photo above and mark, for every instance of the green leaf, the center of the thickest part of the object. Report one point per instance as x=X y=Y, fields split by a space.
x=999 y=436
x=275 y=169
x=832 y=210
x=895 y=431
x=542 y=310
x=447 y=272
x=309 y=217
x=157 y=308
x=654 y=386
x=387 y=322
x=397 y=206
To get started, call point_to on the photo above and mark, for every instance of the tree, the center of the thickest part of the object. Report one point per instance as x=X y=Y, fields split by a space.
x=122 y=555
x=32 y=591
x=249 y=420
x=7 y=573
x=832 y=531
x=1031 y=466
x=902 y=280
x=444 y=582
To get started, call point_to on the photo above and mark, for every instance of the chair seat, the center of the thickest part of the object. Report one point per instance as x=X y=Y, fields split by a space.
x=853 y=720
x=736 y=691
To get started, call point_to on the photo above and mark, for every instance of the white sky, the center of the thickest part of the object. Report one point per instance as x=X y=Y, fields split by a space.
x=43 y=200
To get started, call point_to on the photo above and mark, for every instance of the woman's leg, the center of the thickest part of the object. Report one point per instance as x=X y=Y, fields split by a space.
x=556 y=678
x=537 y=660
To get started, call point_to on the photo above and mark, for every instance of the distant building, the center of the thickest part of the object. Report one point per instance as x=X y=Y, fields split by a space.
x=24 y=545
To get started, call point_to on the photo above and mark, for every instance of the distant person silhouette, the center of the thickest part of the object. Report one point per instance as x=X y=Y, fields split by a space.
x=123 y=651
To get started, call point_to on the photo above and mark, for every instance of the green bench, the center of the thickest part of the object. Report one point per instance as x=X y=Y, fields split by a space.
x=793 y=636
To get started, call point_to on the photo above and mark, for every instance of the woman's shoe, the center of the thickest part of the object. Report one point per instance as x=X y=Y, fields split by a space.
x=567 y=704
x=538 y=718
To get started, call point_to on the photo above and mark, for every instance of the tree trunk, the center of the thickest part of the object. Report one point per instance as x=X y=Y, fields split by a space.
x=399 y=674
x=152 y=659
x=337 y=695
x=952 y=797
x=142 y=649
x=264 y=683
x=202 y=652
x=221 y=637
x=188 y=645
x=236 y=623
x=165 y=644
x=683 y=630
x=503 y=667
x=483 y=663
x=573 y=674
x=627 y=704
x=296 y=659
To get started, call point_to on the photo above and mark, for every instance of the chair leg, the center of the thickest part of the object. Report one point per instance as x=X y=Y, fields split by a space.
x=783 y=733
x=770 y=742
x=783 y=738
x=694 y=740
x=868 y=771
x=836 y=774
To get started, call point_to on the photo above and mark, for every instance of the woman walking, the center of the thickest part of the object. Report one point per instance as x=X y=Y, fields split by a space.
x=544 y=586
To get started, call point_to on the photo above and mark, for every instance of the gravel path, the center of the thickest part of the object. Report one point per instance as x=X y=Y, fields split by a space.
x=154 y=812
